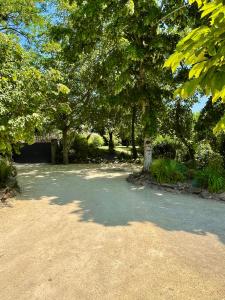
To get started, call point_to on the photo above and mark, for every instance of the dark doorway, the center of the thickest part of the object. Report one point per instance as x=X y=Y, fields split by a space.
x=36 y=153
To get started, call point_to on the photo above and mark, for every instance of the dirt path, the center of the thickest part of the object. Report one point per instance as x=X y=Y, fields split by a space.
x=85 y=233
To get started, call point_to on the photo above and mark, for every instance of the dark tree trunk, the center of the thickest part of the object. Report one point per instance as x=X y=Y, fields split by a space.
x=65 y=147
x=53 y=150
x=106 y=142
x=102 y=134
x=134 y=150
x=111 y=143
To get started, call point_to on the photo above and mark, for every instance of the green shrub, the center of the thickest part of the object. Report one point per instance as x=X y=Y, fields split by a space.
x=116 y=140
x=168 y=171
x=211 y=178
x=164 y=147
x=205 y=156
x=96 y=140
x=6 y=170
x=79 y=147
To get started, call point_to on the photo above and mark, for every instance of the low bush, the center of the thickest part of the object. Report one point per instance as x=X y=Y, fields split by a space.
x=96 y=140
x=168 y=171
x=79 y=147
x=6 y=171
x=165 y=150
x=211 y=179
x=164 y=147
x=205 y=156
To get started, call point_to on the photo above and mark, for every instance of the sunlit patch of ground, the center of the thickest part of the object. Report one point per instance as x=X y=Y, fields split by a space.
x=83 y=232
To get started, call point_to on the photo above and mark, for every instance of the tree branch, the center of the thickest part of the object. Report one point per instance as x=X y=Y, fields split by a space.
x=14 y=30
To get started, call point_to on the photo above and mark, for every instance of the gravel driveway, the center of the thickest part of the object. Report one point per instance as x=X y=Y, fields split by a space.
x=83 y=232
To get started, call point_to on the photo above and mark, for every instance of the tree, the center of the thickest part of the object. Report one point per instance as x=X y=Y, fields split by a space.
x=207 y=120
x=64 y=107
x=20 y=79
x=20 y=17
x=203 y=51
x=130 y=47
x=19 y=94
x=179 y=123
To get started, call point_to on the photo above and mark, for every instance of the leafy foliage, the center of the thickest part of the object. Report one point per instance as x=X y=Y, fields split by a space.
x=212 y=179
x=168 y=171
x=203 y=50
x=164 y=147
x=6 y=170
x=96 y=140
x=205 y=155
x=79 y=147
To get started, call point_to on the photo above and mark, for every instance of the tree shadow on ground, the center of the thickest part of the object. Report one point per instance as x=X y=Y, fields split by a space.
x=104 y=197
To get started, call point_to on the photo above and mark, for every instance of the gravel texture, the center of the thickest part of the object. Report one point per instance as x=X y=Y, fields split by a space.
x=84 y=232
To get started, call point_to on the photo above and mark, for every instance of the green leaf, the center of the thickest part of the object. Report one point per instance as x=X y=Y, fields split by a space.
x=220 y=126
x=63 y=89
x=187 y=89
x=196 y=70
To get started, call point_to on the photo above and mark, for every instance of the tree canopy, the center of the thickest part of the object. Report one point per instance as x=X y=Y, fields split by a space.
x=202 y=50
x=99 y=65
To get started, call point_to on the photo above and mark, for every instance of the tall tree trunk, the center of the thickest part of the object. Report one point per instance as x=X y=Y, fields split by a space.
x=150 y=122
x=53 y=151
x=147 y=154
x=65 y=147
x=134 y=150
x=111 y=143
x=106 y=142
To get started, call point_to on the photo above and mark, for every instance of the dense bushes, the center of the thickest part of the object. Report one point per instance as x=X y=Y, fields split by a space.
x=164 y=147
x=168 y=171
x=6 y=171
x=211 y=179
x=96 y=140
x=210 y=165
x=211 y=176
x=79 y=147
x=87 y=148
x=205 y=155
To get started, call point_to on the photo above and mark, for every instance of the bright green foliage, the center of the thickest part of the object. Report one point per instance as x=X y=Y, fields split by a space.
x=80 y=147
x=17 y=11
x=23 y=90
x=212 y=176
x=203 y=49
x=212 y=179
x=18 y=94
x=178 y=122
x=21 y=82
x=126 y=49
x=205 y=155
x=16 y=16
x=168 y=171
x=96 y=140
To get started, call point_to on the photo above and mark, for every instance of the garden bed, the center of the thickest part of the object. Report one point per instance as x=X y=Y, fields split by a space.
x=145 y=179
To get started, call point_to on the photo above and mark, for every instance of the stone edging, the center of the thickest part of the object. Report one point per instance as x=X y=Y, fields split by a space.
x=144 y=179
